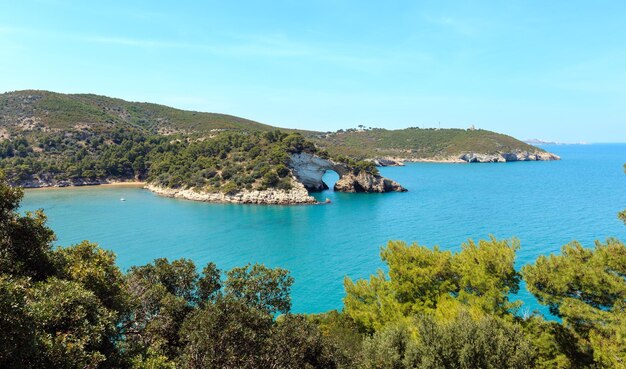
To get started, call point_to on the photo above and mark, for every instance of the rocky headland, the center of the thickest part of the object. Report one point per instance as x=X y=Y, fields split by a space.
x=298 y=195
x=308 y=171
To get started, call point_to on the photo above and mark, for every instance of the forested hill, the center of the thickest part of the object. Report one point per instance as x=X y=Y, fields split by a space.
x=29 y=110
x=48 y=138
x=419 y=143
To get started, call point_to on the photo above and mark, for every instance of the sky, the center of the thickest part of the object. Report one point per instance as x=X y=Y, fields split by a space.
x=553 y=70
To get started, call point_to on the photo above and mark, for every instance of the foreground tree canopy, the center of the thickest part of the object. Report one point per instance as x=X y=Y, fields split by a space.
x=72 y=307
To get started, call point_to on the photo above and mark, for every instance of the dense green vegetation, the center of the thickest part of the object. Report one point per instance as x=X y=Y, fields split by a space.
x=55 y=139
x=72 y=307
x=29 y=119
x=227 y=162
x=60 y=111
x=436 y=309
x=417 y=143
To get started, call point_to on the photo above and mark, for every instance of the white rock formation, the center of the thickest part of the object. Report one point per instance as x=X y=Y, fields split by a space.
x=297 y=195
x=508 y=156
x=309 y=170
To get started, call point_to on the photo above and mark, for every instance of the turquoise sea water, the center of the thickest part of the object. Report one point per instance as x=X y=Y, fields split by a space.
x=543 y=204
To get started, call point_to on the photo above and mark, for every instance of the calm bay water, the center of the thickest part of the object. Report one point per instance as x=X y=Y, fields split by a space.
x=543 y=204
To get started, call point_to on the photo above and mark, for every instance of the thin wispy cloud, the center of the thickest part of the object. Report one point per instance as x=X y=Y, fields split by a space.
x=252 y=46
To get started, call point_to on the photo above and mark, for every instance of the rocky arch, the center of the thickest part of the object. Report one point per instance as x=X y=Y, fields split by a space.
x=309 y=170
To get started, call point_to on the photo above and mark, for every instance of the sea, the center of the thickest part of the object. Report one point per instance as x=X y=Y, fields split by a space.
x=544 y=205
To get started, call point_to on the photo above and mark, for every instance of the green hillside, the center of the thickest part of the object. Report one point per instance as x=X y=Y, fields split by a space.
x=418 y=143
x=62 y=111
x=24 y=113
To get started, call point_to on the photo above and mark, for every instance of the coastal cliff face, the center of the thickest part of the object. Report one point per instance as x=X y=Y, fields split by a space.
x=309 y=169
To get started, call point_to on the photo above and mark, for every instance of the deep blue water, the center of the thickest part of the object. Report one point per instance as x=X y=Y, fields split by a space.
x=543 y=204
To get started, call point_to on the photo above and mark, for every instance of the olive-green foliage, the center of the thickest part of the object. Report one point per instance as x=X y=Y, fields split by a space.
x=17 y=330
x=422 y=280
x=296 y=342
x=463 y=342
x=209 y=284
x=389 y=348
x=78 y=155
x=488 y=342
x=226 y=334
x=226 y=161
x=162 y=294
x=152 y=360
x=232 y=334
x=343 y=334
x=72 y=326
x=64 y=111
x=60 y=305
x=555 y=345
x=587 y=289
x=95 y=269
x=25 y=241
x=261 y=287
x=358 y=166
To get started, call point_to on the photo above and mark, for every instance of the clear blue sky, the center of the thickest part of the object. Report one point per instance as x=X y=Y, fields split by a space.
x=546 y=69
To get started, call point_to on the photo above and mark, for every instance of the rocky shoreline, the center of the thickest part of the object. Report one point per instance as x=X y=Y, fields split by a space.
x=308 y=171
x=296 y=196
x=505 y=157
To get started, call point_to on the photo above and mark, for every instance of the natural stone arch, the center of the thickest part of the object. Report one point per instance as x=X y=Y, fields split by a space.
x=310 y=169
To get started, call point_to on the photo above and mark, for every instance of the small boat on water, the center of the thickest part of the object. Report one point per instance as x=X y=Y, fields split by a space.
x=122 y=199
